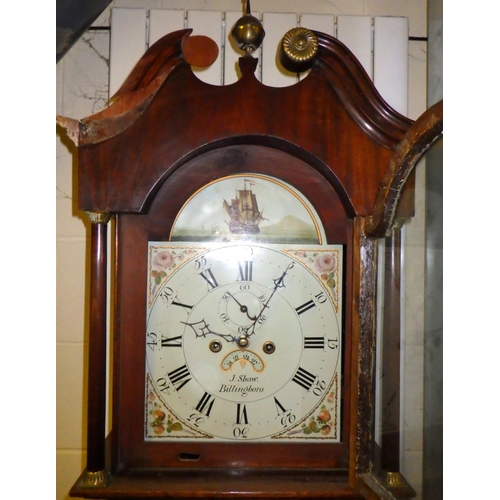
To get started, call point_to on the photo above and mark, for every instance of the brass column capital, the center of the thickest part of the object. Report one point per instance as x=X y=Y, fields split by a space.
x=98 y=216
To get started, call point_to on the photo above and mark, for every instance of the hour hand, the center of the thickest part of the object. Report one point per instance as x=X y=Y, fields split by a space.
x=202 y=329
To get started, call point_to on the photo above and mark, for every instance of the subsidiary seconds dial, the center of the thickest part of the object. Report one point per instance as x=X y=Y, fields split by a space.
x=243 y=342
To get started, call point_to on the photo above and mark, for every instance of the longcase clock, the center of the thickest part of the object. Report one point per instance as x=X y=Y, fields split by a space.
x=246 y=222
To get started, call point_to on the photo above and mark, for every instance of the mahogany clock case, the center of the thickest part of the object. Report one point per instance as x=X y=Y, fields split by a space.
x=131 y=451
x=166 y=136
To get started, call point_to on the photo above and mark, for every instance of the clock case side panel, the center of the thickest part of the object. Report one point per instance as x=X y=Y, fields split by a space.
x=131 y=451
x=128 y=332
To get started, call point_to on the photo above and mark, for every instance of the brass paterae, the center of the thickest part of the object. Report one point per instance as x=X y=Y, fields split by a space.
x=300 y=45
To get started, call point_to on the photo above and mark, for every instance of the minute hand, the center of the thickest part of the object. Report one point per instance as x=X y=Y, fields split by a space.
x=278 y=283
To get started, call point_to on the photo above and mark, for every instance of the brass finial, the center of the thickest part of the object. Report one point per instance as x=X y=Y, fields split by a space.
x=248 y=31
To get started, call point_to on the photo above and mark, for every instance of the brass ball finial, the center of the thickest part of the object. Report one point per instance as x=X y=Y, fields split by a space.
x=248 y=32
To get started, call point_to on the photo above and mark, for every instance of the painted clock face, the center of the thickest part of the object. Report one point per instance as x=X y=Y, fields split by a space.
x=243 y=342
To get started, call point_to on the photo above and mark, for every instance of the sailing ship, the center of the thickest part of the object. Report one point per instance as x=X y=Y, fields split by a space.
x=243 y=211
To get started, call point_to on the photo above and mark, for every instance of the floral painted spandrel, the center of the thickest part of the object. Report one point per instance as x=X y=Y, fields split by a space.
x=160 y=421
x=326 y=264
x=322 y=422
x=164 y=260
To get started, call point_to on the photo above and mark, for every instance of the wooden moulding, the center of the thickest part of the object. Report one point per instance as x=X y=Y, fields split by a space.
x=351 y=82
x=140 y=88
x=426 y=130
x=363 y=359
x=225 y=484
x=353 y=134
x=355 y=89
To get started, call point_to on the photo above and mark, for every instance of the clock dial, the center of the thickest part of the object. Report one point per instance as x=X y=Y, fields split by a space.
x=243 y=342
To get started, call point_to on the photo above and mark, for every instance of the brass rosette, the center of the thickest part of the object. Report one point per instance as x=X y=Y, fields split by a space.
x=299 y=46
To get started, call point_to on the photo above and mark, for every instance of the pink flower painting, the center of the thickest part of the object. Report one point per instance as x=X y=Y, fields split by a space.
x=325 y=262
x=163 y=260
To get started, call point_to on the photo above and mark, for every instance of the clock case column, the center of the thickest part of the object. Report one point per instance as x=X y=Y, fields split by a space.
x=95 y=474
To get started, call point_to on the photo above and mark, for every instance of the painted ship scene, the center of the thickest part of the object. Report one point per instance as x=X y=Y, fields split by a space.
x=243 y=211
x=241 y=208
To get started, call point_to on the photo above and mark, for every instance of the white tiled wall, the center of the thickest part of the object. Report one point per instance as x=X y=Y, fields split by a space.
x=82 y=79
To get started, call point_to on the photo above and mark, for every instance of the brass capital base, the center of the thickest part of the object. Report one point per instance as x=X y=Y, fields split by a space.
x=395 y=482
x=96 y=479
